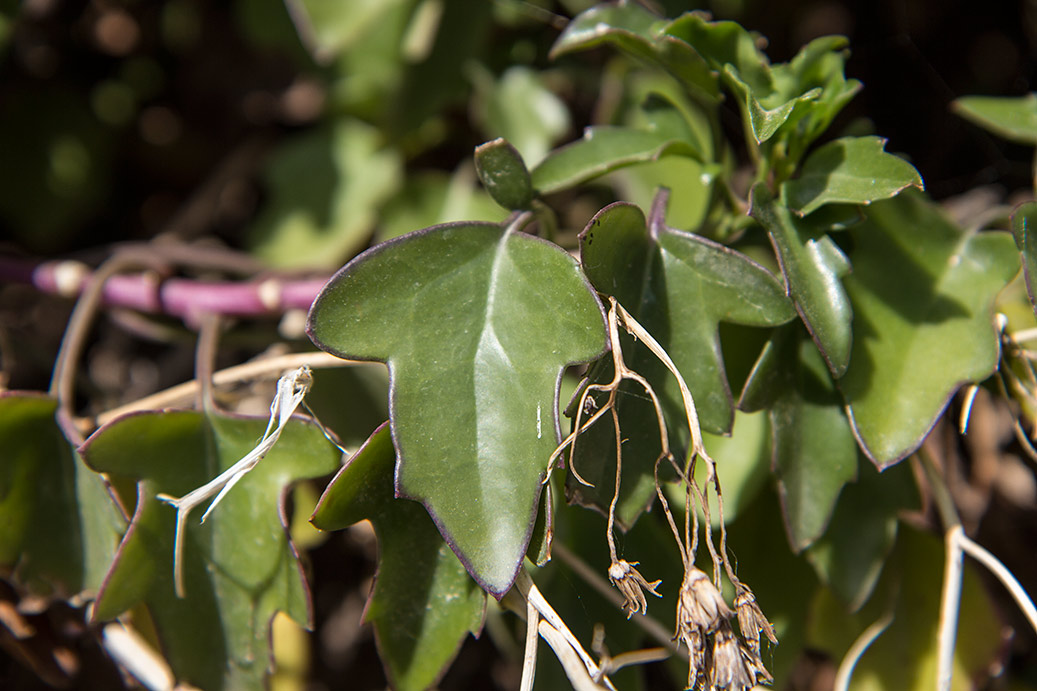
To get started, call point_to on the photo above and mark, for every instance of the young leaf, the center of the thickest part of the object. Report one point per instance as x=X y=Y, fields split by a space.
x=503 y=174
x=423 y=603
x=476 y=323
x=765 y=112
x=637 y=32
x=601 y=150
x=239 y=567
x=725 y=43
x=679 y=286
x=812 y=269
x=1012 y=118
x=58 y=523
x=813 y=451
x=922 y=292
x=853 y=170
x=1024 y=229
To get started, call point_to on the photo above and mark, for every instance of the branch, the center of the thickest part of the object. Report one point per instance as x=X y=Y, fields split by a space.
x=179 y=297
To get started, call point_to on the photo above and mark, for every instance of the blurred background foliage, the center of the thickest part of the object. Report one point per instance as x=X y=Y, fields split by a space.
x=301 y=131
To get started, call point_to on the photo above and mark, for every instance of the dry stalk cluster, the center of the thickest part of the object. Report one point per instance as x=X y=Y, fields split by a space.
x=719 y=658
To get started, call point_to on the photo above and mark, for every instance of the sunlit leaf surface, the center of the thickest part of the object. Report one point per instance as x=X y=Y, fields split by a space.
x=476 y=323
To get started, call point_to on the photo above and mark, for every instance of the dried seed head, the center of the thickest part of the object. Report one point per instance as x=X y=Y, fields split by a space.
x=730 y=668
x=700 y=605
x=630 y=583
x=751 y=621
x=696 y=643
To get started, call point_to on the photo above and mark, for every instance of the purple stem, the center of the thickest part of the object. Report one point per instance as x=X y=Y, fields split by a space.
x=181 y=297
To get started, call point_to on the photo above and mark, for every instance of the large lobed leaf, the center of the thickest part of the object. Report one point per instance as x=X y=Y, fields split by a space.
x=812 y=267
x=922 y=291
x=239 y=567
x=423 y=602
x=850 y=556
x=476 y=323
x=679 y=286
x=58 y=524
x=813 y=452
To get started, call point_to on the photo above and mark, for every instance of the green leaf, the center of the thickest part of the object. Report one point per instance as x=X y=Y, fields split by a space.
x=58 y=523
x=239 y=566
x=853 y=170
x=476 y=323
x=1014 y=119
x=812 y=269
x=849 y=556
x=331 y=27
x=905 y=655
x=765 y=112
x=639 y=33
x=679 y=286
x=326 y=188
x=520 y=108
x=1024 y=229
x=601 y=150
x=725 y=43
x=503 y=174
x=922 y=292
x=423 y=603
x=742 y=466
x=819 y=64
x=813 y=450
x=756 y=537
x=442 y=38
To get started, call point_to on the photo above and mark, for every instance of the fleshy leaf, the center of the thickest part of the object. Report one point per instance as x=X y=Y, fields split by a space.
x=813 y=450
x=503 y=174
x=326 y=187
x=922 y=291
x=239 y=566
x=848 y=558
x=1012 y=118
x=601 y=150
x=476 y=323
x=904 y=656
x=58 y=524
x=853 y=170
x=423 y=603
x=679 y=286
x=639 y=33
x=812 y=269
x=1024 y=229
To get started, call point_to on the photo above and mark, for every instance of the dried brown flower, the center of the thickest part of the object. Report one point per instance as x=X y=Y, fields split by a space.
x=696 y=642
x=633 y=585
x=751 y=621
x=730 y=668
x=700 y=605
